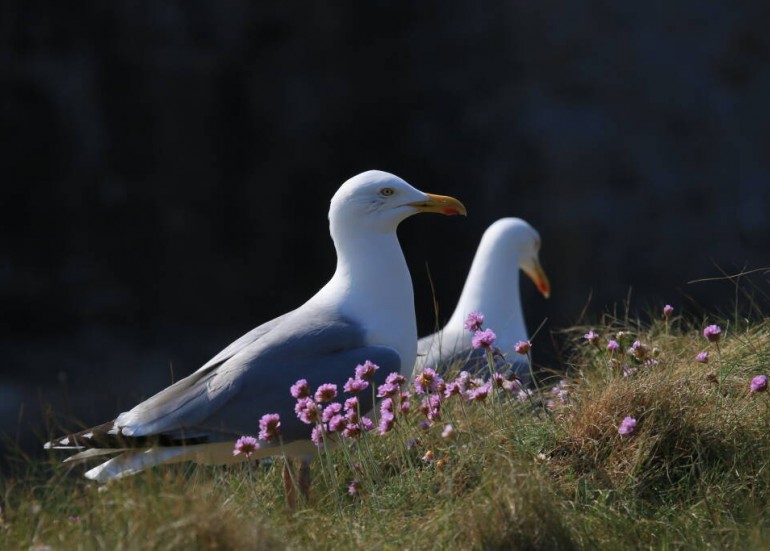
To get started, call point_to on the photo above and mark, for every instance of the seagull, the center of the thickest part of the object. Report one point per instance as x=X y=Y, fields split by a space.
x=365 y=312
x=492 y=288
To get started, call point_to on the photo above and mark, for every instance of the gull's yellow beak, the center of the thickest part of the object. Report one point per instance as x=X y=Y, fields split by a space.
x=537 y=275
x=441 y=204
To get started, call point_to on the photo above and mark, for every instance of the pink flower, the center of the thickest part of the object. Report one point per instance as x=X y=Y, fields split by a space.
x=395 y=378
x=483 y=339
x=523 y=347
x=337 y=423
x=431 y=407
x=427 y=381
x=387 y=390
x=354 y=386
x=351 y=404
x=326 y=393
x=592 y=337
x=702 y=357
x=366 y=370
x=667 y=311
x=452 y=389
x=387 y=420
x=353 y=430
x=317 y=436
x=759 y=383
x=474 y=321
x=300 y=389
x=335 y=408
x=713 y=333
x=613 y=346
x=307 y=411
x=639 y=350
x=627 y=426
x=246 y=445
x=354 y=488
x=269 y=426
x=480 y=393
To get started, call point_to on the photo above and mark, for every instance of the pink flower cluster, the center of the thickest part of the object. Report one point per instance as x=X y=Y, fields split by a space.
x=329 y=416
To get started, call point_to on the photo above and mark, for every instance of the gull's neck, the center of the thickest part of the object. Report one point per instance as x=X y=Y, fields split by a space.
x=492 y=288
x=373 y=286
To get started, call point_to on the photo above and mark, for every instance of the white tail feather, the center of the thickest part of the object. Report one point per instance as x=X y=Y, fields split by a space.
x=132 y=462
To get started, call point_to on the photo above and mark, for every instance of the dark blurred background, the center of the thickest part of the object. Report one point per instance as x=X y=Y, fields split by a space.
x=166 y=167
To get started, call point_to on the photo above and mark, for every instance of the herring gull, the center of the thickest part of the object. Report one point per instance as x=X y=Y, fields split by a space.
x=492 y=288
x=365 y=312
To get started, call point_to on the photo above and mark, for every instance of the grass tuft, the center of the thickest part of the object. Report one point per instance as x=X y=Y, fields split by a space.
x=546 y=472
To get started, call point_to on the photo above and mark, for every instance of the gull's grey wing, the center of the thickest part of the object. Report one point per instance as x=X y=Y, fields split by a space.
x=244 y=341
x=229 y=398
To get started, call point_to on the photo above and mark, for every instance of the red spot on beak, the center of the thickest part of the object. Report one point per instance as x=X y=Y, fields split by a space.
x=451 y=211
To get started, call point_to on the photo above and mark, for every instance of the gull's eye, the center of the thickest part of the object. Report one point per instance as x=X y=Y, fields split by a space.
x=387 y=191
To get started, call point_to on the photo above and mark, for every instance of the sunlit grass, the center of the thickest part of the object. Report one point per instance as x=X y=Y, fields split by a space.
x=695 y=472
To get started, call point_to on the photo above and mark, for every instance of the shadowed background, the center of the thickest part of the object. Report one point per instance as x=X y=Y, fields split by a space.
x=166 y=167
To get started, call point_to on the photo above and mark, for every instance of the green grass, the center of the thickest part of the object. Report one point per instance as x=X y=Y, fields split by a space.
x=695 y=474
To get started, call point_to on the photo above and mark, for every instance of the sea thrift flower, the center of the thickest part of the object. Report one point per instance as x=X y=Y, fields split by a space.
x=523 y=347
x=512 y=386
x=351 y=404
x=300 y=389
x=387 y=420
x=667 y=311
x=337 y=423
x=713 y=333
x=452 y=389
x=474 y=321
x=639 y=350
x=395 y=378
x=651 y=362
x=627 y=426
x=355 y=487
x=628 y=371
x=480 y=393
x=387 y=405
x=307 y=411
x=431 y=407
x=592 y=337
x=613 y=346
x=405 y=406
x=353 y=430
x=424 y=425
x=326 y=393
x=387 y=390
x=483 y=339
x=448 y=432
x=702 y=357
x=335 y=408
x=426 y=381
x=246 y=445
x=269 y=426
x=354 y=386
x=499 y=380
x=366 y=370
x=759 y=383
x=366 y=424
x=317 y=436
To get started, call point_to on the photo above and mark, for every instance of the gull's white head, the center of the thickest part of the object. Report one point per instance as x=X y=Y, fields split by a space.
x=376 y=201
x=515 y=240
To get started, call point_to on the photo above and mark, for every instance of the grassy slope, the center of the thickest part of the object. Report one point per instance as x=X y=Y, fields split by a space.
x=694 y=474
